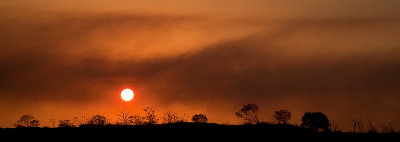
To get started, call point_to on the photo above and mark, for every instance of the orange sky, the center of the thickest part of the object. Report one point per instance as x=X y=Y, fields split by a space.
x=65 y=58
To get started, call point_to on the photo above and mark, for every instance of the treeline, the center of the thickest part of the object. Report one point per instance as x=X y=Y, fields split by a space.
x=124 y=118
x=316 y=121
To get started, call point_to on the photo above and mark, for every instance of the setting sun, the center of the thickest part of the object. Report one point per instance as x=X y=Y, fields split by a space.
x=127 y=94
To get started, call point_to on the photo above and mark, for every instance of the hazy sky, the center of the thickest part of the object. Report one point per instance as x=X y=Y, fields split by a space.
x=65 y=58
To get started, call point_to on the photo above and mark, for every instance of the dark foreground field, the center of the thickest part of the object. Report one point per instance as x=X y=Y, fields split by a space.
x=188 y=132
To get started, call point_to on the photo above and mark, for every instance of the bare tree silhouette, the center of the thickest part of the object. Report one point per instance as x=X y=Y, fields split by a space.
x=354 y=125
x=249 y=113
x=172 y=117
x=136 y=120
x=282 y=116
x=123 y=118
x=357 y=124
x=360 y=126
x=150 y=117
x=199 y=118
x=315 y=121
x=371 y=126
x=97 y=120
x=27 y=120
x=65 y=124
x=53 y=122
x=333 y=126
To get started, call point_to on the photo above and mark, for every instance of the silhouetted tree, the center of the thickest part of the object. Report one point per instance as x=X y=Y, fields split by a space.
x=76 y=122
x=34 y=123
x=371 y=127
x=65 y=124
x=172 y=117
x=53 y=122
x=360 y=126
x=199 y=118
x=150 y=117
x=249 y=113
x=98 y=120
x=315 y=121
x=357 y=125
x=136 y=120
x=123 y=118
x=354 y=125
x=333 y=126
x=282 y=116
x=27 y=120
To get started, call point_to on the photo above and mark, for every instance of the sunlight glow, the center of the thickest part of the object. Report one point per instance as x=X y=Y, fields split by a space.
x=127 y=94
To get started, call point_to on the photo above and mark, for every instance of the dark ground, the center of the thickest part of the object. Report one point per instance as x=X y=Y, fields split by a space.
x=188 y=132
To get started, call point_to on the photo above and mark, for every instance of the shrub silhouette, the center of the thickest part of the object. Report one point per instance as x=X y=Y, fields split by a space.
x=172 y=117
x=249 y=113
x=65 y=124
x=282 y=116
x=123 y=118
x=53 y=122
x=199 y=118
x=150 y=117
x=315 y=121
x=97 y=120
x=387 y=128
x=136 y=120
x=27 y=120
x=371 y=126
x=76 y=122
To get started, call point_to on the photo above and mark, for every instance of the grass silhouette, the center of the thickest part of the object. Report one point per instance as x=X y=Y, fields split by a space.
x=188 y=131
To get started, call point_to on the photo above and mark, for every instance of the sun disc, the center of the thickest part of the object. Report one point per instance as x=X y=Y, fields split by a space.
x=127 y=94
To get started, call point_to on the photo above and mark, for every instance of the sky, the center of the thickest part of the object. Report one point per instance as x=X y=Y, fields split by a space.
x=65 y=58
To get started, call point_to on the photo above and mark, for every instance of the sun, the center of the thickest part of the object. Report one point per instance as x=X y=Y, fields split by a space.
x=127 y=94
